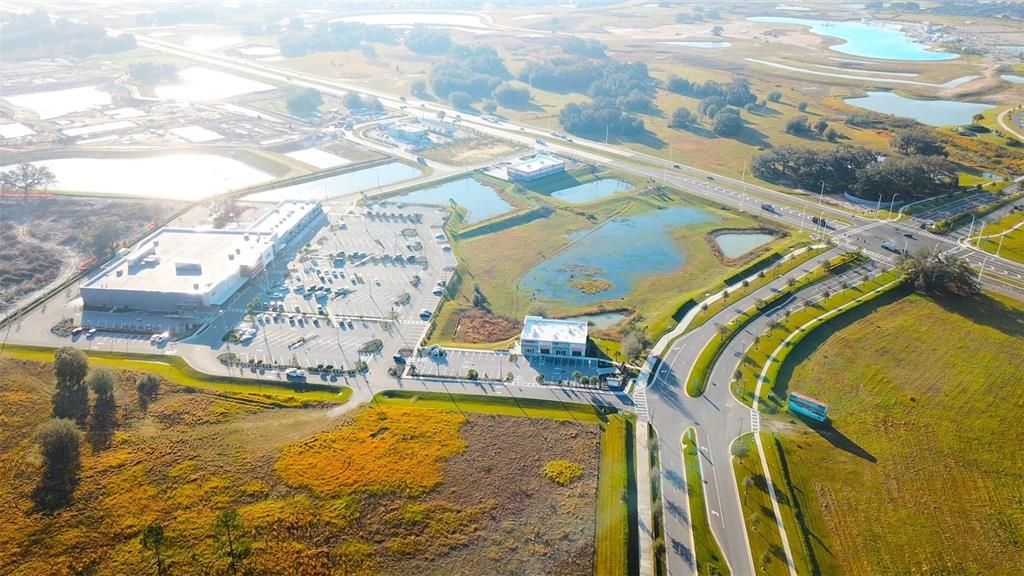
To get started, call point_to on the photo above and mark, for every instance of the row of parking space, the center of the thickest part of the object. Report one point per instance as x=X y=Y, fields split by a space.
x=498 y=365
x=954 y=208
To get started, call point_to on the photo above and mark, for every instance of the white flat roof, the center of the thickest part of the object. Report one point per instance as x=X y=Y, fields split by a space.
x=552 y=330
x=183 y=260
x=537 y=163
x=282 y=217
x=193 y=261
x=408 y=127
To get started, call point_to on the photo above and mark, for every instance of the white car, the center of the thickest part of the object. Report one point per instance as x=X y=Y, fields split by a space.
x=90 y=333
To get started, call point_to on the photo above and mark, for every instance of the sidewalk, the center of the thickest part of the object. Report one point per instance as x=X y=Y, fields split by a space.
x=645 y=518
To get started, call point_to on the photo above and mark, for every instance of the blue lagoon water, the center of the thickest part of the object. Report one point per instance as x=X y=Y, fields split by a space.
x=591 y=191
x=623 y=251
x=340 y=185
x=481 y=201
x=930 y=112
x=864 y=40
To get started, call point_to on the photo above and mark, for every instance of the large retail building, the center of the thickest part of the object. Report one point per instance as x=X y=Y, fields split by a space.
x=177 y=270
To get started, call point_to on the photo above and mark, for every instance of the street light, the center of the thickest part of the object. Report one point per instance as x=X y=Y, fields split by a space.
x=892 y=203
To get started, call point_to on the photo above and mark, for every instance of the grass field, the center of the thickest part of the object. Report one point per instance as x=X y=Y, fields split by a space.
x=800 y=323
x=1011 y=230
x=915 y=475
x=708 y=554
x=386 y=490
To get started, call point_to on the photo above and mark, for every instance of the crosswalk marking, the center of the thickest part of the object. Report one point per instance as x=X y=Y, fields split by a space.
x=755 y=421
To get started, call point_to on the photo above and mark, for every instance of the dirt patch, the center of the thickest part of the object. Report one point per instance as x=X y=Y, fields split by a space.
x=479 y=326
x=472 y=150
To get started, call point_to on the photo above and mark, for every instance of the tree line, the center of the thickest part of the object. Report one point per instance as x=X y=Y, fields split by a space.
x=857 y=171
x=332 y=37
x=34 y=36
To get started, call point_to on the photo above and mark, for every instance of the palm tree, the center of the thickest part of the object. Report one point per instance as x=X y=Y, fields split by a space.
x=746 y=487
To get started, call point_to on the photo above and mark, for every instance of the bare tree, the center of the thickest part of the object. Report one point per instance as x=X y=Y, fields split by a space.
x=27 y=177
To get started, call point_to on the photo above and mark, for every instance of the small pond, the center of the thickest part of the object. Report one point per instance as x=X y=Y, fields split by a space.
x=198 y=84
x=931 y=112
x=56 y=103
x=615 y=256
x=480 y=201
x=864 y=39
x=340 y=185
x=736 y=244
x=590 y=191
x=602 y=320
x=1013 y=78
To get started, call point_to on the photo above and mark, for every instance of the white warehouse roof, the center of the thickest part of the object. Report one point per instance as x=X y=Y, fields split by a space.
x=538 y=163
x=552 y=330
x=184 y=260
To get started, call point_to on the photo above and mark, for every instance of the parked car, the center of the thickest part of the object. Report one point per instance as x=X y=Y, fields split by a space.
x=90 y=333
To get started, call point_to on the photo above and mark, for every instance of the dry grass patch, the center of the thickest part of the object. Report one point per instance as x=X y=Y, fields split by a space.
x=562 y=472
x=383 y=451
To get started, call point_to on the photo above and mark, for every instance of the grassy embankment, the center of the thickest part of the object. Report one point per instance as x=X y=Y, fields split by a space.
x=913 y=476
x=616 y=538
x=773 y=393
x=1012 y=238
x=177 y=371
x=706 y=551
x=701 y=370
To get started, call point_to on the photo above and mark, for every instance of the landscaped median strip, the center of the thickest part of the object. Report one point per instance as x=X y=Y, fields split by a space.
x=764 y=359
x=697 y=381
x=708 y=555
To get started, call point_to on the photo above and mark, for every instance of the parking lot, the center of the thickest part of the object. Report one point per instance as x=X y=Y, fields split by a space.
x=497 y=365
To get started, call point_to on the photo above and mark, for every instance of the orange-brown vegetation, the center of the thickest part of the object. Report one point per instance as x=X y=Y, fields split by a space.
x=444 y=493
x=476 y=326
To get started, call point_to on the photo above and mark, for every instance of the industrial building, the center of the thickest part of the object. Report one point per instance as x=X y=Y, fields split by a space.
x=539 y=166
x=178 y=270
x=551 y=337
x=408 y=133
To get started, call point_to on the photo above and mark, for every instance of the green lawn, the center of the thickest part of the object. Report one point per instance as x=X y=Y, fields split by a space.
x=616 y=506
x=920 y=471
x=762 y=528
x=505 y=406
x=773 y=392
x=176 y=370
x=1012 y=242
x=708 y=554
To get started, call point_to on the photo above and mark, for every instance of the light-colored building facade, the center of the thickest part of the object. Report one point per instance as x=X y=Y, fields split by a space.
x=178 y=270
x=552 y=337
x=539 y=166
x=408 y=132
